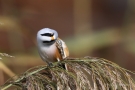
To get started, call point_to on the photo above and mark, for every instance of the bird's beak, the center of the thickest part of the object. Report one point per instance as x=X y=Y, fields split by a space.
x=53 y=38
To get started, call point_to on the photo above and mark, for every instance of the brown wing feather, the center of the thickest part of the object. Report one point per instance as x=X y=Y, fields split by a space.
x=66 y=51
x=62 y=50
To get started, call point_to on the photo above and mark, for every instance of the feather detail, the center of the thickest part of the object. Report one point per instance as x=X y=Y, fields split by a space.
x=62 y=48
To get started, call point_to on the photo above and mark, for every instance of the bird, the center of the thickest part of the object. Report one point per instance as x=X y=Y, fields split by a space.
x=50 y=47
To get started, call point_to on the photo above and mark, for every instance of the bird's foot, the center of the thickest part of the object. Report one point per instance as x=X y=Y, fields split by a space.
x=50 y=64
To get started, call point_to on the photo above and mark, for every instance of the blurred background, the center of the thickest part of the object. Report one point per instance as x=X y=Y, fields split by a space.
x=96 y=28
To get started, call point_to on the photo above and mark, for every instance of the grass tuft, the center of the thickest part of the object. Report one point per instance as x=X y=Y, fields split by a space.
x=82 y=74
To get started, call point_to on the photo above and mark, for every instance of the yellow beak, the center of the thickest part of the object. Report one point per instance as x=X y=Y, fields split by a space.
x=52 y=38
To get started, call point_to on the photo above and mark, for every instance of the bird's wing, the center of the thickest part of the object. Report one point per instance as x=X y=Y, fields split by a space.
x=62 y=48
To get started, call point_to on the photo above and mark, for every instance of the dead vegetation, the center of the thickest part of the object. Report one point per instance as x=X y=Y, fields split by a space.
x=83 y=74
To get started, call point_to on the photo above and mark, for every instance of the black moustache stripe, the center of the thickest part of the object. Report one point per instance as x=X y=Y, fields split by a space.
x=48 y=41
x=47 y=34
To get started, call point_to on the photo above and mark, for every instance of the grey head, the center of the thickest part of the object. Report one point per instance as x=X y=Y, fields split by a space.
x=46 y=37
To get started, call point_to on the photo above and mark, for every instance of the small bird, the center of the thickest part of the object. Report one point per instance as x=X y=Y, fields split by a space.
x=51 y=48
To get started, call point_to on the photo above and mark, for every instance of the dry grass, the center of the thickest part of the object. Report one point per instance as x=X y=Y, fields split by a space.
x=5 y=55
x=83 y=74
x=3 y=67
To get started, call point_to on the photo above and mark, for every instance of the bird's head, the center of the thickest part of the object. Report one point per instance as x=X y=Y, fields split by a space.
x=46 y=36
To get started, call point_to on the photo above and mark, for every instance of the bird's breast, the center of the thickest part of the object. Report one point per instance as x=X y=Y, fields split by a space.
x=49 y=53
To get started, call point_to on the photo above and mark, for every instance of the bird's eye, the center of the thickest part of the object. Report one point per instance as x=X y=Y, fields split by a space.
x=47 y=34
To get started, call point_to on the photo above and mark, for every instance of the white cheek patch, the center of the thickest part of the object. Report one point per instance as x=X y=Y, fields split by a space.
x=44 y=38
